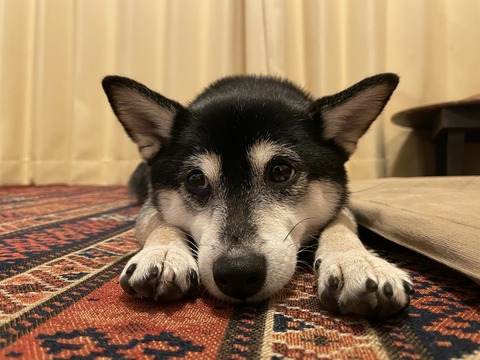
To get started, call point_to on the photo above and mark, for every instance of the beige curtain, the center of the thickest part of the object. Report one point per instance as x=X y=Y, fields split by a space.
x=56 y=126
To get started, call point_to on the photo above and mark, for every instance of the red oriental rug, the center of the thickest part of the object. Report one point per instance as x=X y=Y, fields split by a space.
x=62 y=248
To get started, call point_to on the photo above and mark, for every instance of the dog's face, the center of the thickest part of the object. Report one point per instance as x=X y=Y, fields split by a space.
x=252 y=169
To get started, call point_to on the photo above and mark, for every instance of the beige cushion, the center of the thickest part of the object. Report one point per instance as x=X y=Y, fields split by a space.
x=435 y=216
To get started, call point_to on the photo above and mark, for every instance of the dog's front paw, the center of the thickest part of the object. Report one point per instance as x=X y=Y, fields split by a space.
x=362 y=284
x=160 y=273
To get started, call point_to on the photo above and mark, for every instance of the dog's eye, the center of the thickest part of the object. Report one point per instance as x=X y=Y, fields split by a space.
x=197 y=181
x=281 y=172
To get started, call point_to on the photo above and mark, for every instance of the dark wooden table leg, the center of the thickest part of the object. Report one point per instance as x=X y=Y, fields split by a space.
x=455 y=149
x=441 y=157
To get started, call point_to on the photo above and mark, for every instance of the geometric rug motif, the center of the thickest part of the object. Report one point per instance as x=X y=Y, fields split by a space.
x=62 y=249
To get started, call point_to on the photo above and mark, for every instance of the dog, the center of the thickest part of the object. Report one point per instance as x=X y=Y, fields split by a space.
x=235 y=184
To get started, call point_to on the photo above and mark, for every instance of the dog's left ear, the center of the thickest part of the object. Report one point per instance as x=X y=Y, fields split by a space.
x=347 y=115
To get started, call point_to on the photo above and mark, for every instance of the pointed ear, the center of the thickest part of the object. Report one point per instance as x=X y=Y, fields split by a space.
x=347 y=115
x=146 y=116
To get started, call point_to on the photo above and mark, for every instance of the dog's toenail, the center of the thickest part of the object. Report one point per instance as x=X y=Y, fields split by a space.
x=126 y=286
x=408 y=288
x=388 y=289
x=333 y=282
x=131 y=269
x=192 y=277
x=153 y=272
x=316 y=266
x=371 y=285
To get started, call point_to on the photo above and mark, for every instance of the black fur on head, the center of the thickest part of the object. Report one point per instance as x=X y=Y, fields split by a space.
x=235 y=112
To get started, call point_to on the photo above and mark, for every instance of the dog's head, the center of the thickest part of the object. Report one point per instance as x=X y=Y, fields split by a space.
x=253 y=168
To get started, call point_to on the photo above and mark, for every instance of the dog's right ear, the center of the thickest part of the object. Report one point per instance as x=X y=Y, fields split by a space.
x=147 y=117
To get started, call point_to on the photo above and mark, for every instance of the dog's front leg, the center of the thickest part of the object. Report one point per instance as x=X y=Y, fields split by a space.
x=165 y=268
x=353 y=280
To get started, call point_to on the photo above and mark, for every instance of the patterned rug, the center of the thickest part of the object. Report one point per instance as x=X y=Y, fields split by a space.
x=62 y=248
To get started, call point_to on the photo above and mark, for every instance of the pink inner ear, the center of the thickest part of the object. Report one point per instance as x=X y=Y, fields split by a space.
x=148 y=123
x=346 y=122
x=148 y=150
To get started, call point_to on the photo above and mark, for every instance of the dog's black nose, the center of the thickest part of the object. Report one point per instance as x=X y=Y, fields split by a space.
x=240 y=276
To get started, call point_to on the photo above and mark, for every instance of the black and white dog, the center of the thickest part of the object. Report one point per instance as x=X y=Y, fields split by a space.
x=237 y=182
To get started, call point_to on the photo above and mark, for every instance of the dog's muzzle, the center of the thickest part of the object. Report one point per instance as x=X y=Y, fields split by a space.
x=240 y=276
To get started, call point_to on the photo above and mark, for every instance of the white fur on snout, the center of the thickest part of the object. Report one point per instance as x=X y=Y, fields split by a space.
x=283 y=229
x=279 y=244
x=206 y=230
x=272 y=240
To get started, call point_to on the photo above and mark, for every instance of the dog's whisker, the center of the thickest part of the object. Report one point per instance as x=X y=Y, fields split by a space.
x=194 y=252
x=297 y=224
x=366 y=189
x=306 y=250
x=305 y=263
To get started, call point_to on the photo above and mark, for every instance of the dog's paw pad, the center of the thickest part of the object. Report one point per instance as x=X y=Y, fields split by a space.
x=160 y=273
x=362 y=284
